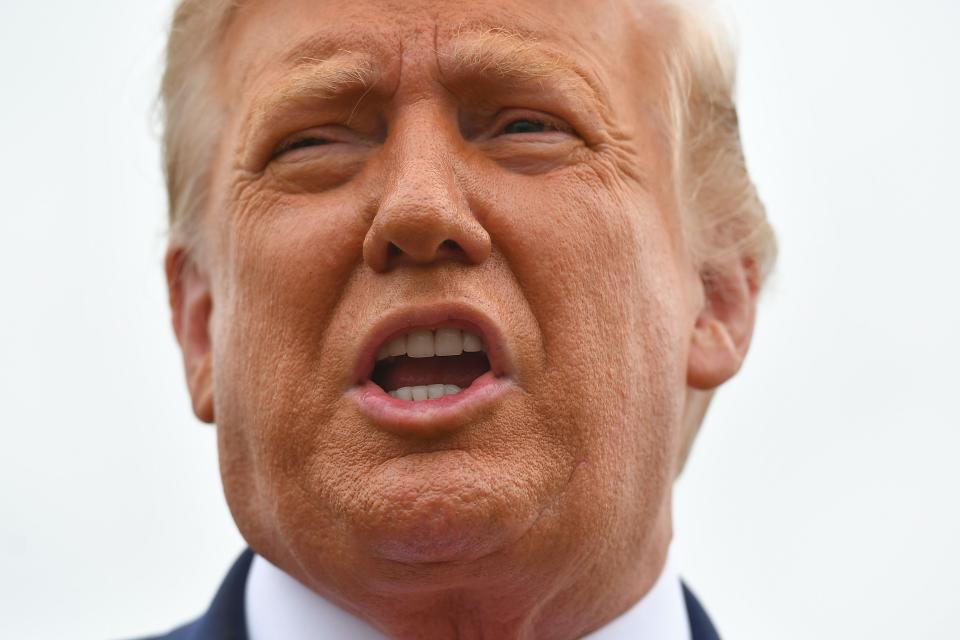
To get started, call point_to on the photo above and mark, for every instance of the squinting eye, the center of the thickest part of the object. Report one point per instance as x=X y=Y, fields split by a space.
x=526 y=126
x=300 y=144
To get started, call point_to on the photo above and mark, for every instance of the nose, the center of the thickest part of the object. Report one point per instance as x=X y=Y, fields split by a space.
x=424 y=215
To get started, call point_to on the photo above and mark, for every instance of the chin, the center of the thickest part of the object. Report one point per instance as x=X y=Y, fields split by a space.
x=446 y=539
x=440 y=507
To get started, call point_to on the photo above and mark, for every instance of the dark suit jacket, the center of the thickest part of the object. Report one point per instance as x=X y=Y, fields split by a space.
x=226 y=618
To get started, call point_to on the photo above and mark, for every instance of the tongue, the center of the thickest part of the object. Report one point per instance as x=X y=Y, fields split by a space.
x=404 y=371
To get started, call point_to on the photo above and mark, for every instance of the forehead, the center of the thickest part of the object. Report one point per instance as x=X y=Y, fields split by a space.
x=605 y=41
x=390 y=22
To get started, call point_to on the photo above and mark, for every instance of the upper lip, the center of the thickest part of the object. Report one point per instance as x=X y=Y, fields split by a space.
x=411 y=318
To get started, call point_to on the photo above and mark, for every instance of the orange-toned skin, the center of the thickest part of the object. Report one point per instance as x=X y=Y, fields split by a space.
x=546 y=514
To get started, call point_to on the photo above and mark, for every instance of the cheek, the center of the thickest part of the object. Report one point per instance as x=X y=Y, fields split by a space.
x=598 y=266
x=287 y=251
x=284 y=268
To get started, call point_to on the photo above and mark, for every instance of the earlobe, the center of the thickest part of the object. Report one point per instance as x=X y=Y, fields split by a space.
x=724 y=326
x=191 y=305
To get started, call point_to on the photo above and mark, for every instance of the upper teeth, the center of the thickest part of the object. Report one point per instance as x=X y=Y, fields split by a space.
x=426 y=344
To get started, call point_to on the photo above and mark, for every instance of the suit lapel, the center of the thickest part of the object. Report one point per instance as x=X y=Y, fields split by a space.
x=701 y=628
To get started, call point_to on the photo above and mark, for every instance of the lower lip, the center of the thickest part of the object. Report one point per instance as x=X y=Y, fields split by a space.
x=429 y=417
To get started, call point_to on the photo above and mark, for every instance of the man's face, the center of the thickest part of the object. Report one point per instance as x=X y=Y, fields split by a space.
x=494 y=166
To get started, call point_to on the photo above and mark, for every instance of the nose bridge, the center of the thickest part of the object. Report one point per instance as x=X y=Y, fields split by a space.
x=423 y=176
x=423 y=215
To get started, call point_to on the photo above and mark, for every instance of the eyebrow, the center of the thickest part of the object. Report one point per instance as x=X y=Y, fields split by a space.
x=322 y=78
x=513 y=56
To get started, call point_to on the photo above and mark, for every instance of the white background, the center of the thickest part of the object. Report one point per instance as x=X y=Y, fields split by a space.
x=822 y=497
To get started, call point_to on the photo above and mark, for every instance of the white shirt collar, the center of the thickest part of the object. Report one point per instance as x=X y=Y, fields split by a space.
x=280 y=608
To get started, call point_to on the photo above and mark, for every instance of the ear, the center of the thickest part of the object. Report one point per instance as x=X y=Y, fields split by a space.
x=191 y=304
x=724 y=325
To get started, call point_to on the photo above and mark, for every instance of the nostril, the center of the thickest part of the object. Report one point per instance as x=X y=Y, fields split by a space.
x=452 y=246
x=448 y=249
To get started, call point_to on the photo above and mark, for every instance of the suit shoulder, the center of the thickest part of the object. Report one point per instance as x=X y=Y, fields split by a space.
x=226 y=618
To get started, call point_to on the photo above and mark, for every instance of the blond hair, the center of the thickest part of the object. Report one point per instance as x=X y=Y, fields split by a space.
x=723 y=217
x=192 y=118
x=724 y=221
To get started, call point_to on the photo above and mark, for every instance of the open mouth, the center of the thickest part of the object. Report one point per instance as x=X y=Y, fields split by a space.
x=429 y=364
x=431 y=369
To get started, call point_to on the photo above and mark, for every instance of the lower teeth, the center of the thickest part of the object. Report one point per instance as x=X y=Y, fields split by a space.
x=425 y=392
